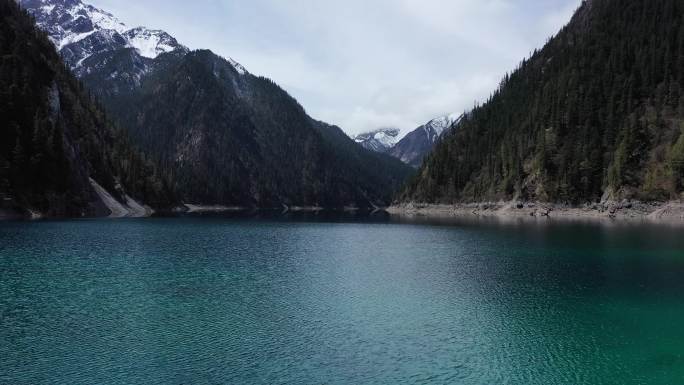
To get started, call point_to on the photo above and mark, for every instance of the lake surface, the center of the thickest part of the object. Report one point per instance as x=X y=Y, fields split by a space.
x=240 y=301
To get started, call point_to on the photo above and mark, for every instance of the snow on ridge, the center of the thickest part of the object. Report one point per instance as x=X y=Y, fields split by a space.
x=72 y=38
x=146 y=46
x=103 y=19
x=387 y=138
x=238 y=67
x=381 y=139
x=72 y=21
x=149 y=43
x=443 y=123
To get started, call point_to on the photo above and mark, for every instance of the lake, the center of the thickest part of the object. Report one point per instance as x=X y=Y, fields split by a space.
x=384 y=301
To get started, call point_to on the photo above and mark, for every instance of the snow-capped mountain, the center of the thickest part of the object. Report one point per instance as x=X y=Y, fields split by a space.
x=435 y=128
x=80 y=31
x=151 y=43
x=111 y=57
x=412 y=148
x=83 y=33
x=381 y=140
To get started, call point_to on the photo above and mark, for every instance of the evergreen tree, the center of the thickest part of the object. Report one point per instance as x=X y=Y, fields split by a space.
x=52 y=136
x=596 y=110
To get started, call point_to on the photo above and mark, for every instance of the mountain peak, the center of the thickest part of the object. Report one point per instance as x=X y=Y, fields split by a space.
x=151 y=43
x=413 y=147
x=442 y=124
x=380 y=140
x=69 y=22
x=238 y=67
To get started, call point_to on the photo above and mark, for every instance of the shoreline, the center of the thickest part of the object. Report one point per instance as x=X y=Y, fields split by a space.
x=119 y=211
x=628 y=211
x=202 y=209
x=188 y=208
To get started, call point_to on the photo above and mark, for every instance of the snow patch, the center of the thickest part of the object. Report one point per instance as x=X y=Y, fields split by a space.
x=442 y=124
x=381 y=140
x=238 y=67
x=146 y=46
x=387 y=139
x=150 y=43
x=105 y=20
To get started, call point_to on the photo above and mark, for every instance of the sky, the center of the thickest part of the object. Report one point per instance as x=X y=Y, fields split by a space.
x=364 y=64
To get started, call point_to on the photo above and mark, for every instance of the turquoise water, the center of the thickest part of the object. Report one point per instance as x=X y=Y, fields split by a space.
x=237 y=301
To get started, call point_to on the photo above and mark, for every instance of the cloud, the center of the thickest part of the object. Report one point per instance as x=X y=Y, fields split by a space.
x=364 y=64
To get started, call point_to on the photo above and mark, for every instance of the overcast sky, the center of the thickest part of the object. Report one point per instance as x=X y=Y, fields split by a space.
x=364 y=64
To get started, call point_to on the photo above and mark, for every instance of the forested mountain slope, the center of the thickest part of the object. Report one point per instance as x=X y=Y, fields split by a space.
x=221 y=134
x=596 y=114
x=233 y=138
x=54 y=139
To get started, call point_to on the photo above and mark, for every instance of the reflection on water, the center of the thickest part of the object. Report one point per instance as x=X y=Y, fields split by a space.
x=350 y=299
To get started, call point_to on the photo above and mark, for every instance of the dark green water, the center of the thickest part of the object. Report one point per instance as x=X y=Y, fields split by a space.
x=211 y=301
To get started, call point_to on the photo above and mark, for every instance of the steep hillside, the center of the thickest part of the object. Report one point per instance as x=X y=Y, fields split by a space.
x=221 y=134
x=234 y=138
x=55 y=143
x=597 y=114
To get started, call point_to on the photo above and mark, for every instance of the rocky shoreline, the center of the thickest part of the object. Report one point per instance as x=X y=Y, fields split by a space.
x=666 y=212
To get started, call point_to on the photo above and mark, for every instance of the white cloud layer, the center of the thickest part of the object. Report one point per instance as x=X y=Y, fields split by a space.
x=364 y=64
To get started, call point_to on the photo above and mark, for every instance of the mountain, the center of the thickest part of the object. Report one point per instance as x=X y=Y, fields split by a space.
x=59 y=154
x=95 y=44
x=233 y=138
x=381 y=140
x=221 y=134
x=413 y=148
x=80 y=31
x=596 y=115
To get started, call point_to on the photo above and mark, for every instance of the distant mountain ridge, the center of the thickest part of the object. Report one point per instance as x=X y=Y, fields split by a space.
x=219 y=133
x=412 y=148
x=381 y=140
x=415 y=146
